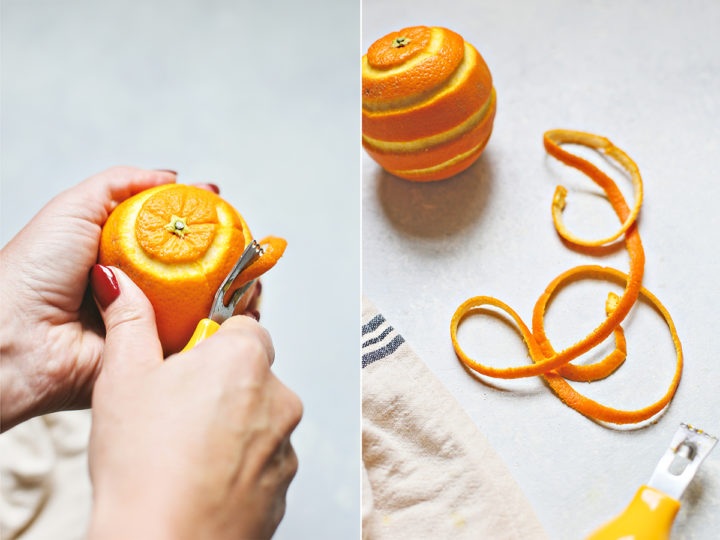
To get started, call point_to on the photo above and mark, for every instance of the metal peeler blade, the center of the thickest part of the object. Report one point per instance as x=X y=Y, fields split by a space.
x=219 y=312
x=675 y=470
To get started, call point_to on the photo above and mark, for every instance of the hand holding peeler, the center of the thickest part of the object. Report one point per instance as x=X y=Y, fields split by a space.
x=651 y=513
x=219 y=312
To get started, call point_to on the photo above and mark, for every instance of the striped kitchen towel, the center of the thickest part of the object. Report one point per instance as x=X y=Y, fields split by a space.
x=388 y=343
x=427 y=470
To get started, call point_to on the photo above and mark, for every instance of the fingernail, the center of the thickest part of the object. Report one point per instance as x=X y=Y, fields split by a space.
x=104 y=285
x=254 y=313
x=210 y=187
x=258 y=287
x=167 y=170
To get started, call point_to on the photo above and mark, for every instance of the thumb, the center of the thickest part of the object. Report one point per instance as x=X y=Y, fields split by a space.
x=131 y=338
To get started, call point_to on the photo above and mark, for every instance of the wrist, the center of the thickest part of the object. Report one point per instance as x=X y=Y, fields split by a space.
x=15 y=402
x=124 y=519
x=17 y=396
x=26 y=365
x=38 y=373
x=142 y=506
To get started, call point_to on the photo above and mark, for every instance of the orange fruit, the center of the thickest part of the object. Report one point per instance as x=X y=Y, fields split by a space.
x=428 y=103
x=178 y=243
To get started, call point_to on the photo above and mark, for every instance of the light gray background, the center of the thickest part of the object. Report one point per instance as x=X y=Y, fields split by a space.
x=647 y=76
x=258 y=97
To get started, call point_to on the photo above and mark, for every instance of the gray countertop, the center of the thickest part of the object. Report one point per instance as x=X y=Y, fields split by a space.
x=253 y=97
x=647 y=76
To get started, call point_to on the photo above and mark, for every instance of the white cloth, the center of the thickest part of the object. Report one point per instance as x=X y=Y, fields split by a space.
x=428 y=471
x=45 y=490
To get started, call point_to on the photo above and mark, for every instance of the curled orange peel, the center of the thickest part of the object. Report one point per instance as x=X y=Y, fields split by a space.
x=596 y=410
x=554 y=366
x=273 y=248
x=598 y=370
x=552 y=139
x=541 y=361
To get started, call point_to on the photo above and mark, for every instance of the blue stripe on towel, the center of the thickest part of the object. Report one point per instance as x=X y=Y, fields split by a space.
x=379 y=338
x=382 y=352
x=376 y=321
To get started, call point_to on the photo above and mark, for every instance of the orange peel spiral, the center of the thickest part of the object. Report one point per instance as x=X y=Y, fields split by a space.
x=553 y=366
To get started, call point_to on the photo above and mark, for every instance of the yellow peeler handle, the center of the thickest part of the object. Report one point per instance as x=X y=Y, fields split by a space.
x=649 y=516
x=204 y=329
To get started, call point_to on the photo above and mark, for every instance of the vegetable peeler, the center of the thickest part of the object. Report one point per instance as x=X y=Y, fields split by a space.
x=651 y=513
x=219 y=312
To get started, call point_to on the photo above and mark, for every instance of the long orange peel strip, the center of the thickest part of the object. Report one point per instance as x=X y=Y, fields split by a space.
x=556 y=137
x=554 y=367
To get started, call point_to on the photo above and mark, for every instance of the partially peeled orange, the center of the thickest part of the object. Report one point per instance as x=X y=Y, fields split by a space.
x=428 y=103
x=178 y=243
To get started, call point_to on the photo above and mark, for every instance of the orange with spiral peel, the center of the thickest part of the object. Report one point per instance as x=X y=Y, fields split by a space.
x=428 y=103
x=178 y=243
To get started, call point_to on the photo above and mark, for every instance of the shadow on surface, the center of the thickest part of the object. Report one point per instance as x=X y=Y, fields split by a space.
x=433 y=209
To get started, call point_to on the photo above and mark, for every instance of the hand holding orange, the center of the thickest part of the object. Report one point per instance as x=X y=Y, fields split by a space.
x=428 y=103
x=177 y=243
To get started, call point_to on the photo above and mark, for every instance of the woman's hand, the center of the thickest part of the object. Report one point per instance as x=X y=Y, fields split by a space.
x=197 y=446
x=51 y=339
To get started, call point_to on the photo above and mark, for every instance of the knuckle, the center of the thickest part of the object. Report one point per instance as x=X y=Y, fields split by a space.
x=248 y=325
x=250 y=339
x=291 y=462
x=244 y=357
x=296 y=407
x=292 y=406
x=241 y=323
x=253 y=352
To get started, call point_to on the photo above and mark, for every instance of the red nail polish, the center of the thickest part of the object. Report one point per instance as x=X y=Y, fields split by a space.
x=210 y=187
x=254 y=313
x=104 y=285
x=167 y=170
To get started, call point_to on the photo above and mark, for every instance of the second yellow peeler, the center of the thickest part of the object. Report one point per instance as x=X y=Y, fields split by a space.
x=651 y=513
